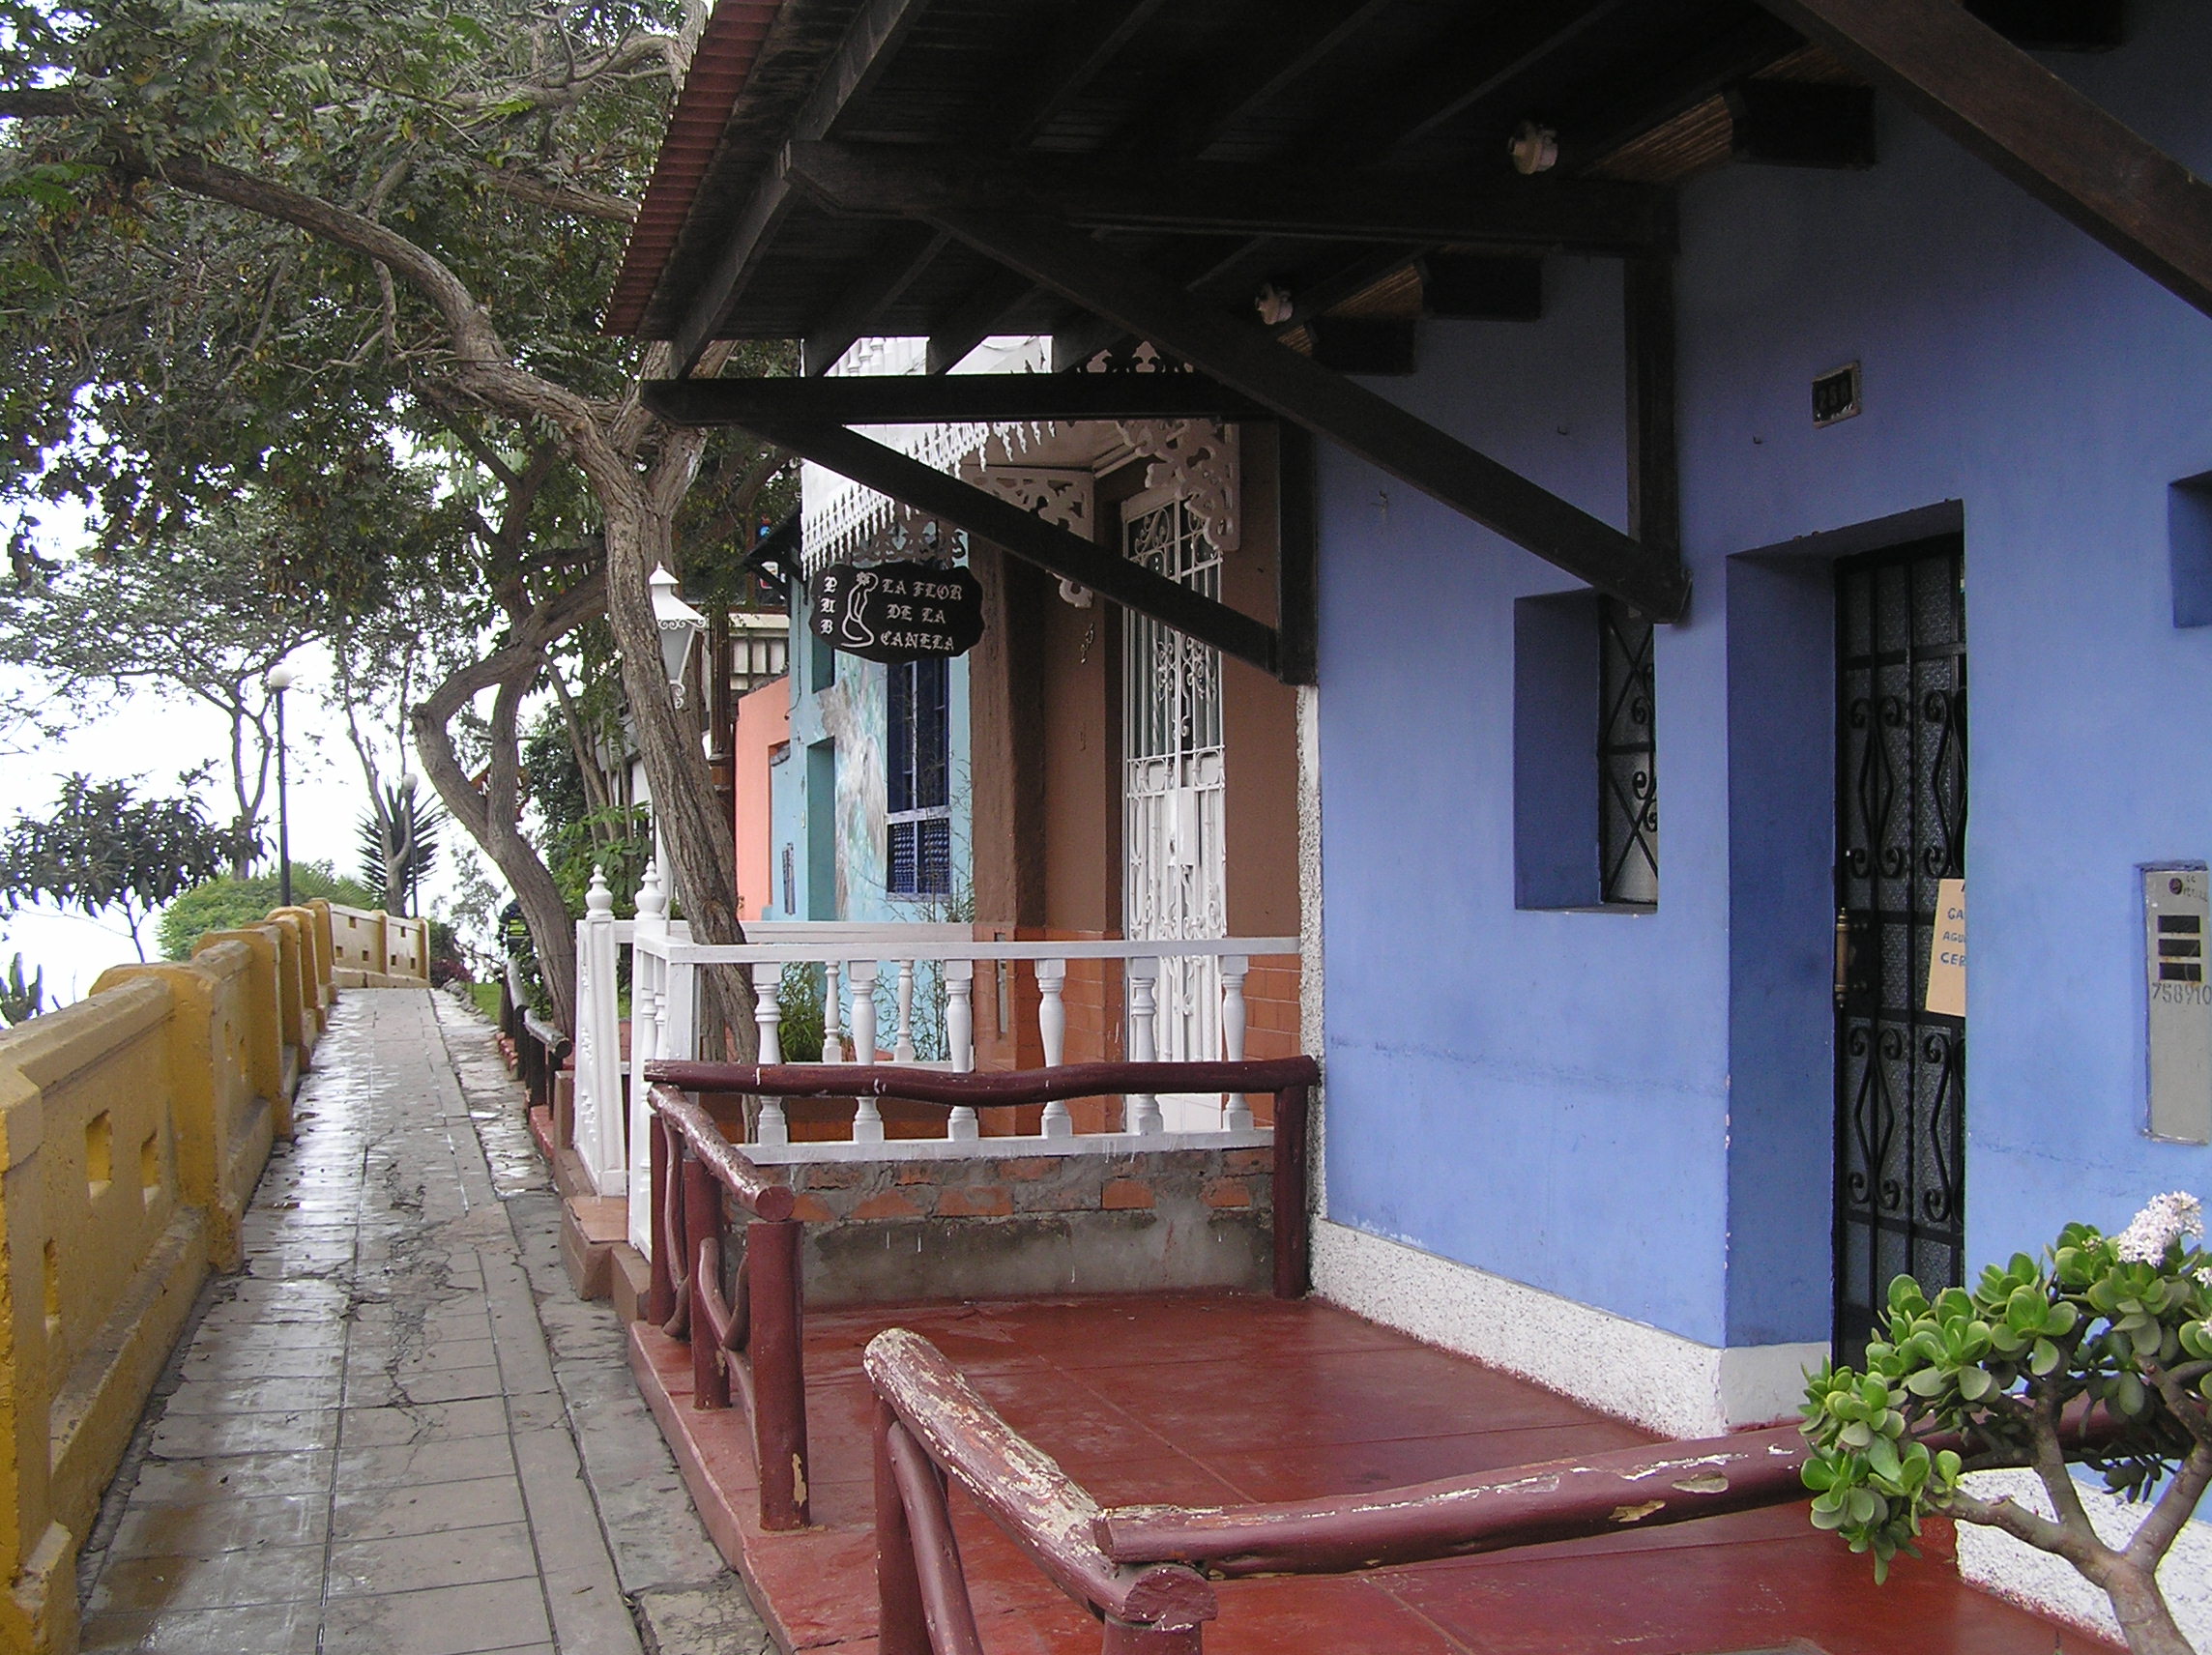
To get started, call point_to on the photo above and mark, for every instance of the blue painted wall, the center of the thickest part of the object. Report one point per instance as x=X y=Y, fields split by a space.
x=1634 y=1111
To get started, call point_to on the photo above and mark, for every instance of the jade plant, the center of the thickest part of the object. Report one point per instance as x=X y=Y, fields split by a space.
x=2096 y=1355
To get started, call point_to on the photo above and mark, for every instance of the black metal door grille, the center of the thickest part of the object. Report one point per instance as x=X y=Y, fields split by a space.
x=1901 y=826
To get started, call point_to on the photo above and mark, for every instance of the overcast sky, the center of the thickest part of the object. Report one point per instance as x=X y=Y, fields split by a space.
x=154 y=737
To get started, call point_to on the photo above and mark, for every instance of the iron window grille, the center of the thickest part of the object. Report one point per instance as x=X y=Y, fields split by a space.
x=918 y=737
x=1627 y=759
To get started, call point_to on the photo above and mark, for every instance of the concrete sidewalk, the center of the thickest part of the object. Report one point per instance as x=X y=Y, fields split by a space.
x=397 y=1432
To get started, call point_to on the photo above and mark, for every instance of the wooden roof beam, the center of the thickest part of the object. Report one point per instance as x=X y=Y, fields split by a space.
x=2032 y=127
x=1567 y=215
x=1094 y=35
x=899 y=256
x=868 y=49
x=1023 y=534
x=915 y=399
x=1243 y=356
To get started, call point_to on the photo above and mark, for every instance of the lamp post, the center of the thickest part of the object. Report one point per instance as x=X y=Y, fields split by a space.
x=279 y=680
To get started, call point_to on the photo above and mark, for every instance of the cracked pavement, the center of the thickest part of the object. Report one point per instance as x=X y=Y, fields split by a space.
x=397 y=1430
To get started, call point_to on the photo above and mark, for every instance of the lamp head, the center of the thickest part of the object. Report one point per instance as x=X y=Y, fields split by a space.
x=282 y=677
x=678 y=622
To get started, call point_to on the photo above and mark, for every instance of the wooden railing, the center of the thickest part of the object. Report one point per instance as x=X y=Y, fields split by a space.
x=1138 y=1569
x=1289 y=1079
x=751 y=1338
x=693 y=1166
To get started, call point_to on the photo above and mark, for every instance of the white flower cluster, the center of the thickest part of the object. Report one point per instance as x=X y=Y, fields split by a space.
x=2175 y=1216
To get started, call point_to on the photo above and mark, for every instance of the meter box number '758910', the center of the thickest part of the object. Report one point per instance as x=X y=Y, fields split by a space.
x=2177 y=929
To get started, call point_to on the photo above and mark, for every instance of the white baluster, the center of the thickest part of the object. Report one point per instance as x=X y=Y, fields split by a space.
x=1141 y=1112
x=1237 y=1116
x=867 y=1119
x=1052 y=1028
x=833 y=1027
x=768 y=1015
x=960 y=1039
x=902 y=1048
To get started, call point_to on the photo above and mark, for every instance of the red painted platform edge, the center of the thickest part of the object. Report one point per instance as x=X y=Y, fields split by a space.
x=693 y=1434
x=541 y=1132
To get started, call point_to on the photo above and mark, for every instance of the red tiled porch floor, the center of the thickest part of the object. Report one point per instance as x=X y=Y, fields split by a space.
x=1219 y=1399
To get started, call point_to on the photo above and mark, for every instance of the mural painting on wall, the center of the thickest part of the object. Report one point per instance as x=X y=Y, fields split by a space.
x=897 y=611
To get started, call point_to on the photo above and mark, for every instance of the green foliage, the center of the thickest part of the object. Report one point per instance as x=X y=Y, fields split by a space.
x=2119 y=1322
x=106 y=848
x=798 y=1002
x=484 y=995
x=21 y=1000
x=226 y=904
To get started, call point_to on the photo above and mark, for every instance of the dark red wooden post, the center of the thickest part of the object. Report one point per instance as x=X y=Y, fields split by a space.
x=1289 y=1193
x=660 y=1295
x=901 y=1628
x=702 y=1224
x=1122 y=1638
x=777 y=1350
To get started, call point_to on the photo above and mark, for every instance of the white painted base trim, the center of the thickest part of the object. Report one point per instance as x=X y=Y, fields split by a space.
x=1630 y=1369
x=2012 y=1569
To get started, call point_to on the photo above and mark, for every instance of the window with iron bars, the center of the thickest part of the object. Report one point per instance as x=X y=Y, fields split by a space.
x=1627 y=759
x=918 y=747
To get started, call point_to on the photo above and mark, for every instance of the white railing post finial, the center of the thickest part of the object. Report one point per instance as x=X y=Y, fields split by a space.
x=767 y=1018
x=868 y=1118
x=960 y=1039
x=1052 y=1030
x=1141 y=1114
x=652 y=900
x=1236 y=1110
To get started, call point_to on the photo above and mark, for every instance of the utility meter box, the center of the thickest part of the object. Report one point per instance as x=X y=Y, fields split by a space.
x=2178 y=928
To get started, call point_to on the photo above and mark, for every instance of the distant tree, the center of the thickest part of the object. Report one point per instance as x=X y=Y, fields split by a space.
x=190 y=617
x=21 y=1000
x=106 y=848
x=399 y=845
x=227 y=904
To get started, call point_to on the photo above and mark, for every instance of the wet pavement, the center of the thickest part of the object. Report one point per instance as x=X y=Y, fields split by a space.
x=397 y=1432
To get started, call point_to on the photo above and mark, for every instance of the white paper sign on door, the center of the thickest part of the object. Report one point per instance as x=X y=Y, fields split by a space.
x=1947 y=958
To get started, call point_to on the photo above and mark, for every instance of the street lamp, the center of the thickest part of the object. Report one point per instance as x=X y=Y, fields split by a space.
x=680 y=628
x=279 y=680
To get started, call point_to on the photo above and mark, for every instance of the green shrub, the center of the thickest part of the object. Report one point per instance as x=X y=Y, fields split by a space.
x=2111 y=1327
x=226 y=904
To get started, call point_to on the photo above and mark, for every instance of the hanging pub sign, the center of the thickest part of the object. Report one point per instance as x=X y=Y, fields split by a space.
x=897 y=611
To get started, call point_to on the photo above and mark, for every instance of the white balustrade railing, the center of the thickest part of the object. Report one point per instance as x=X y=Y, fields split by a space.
x=911 y=967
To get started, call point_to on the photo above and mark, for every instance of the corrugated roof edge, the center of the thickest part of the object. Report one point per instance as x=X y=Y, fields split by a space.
x=724 y=60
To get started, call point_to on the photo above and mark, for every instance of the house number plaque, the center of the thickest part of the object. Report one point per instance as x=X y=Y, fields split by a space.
x=897 y=611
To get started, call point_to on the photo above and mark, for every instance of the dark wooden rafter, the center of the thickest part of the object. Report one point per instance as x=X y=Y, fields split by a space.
x=1784 y=122
x=1654 y=481
x=1203 y=105
x=1246 y=357
x=1094 y=34
x=2032 y=127
x=900 y=255
x=975 y=318
x=1618 y=112
x=1209 y=199
x=1297 y=557
x=868 y=45
x=911 y=400
x=1022 y=534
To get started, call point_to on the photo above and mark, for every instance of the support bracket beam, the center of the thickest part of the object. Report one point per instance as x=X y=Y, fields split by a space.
x=2032 y=127
x=1543 y=213
x=913 y=399
x=1243 y=356
x=1023 y=534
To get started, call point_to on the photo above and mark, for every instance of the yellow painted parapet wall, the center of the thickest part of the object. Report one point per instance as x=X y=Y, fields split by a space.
x=133 y=1126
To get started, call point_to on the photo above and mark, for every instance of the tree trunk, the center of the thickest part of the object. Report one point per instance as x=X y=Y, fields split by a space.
x=700 y=844
x=2144 y=1619
x=552 y=934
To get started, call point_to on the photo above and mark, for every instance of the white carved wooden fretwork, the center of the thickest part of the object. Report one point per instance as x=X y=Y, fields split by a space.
x=912 y=535
x=1198 y=459
x=1065 y=496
